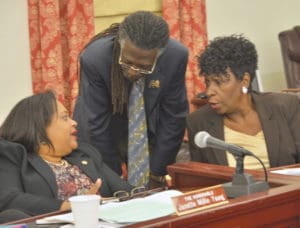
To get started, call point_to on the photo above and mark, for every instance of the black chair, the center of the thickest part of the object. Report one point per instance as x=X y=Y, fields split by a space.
x=290 y=50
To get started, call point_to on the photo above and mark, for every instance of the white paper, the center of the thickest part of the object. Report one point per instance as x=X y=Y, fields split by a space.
x=63 y=218
x=139 y=209
x=101 y=225
x=135 y=210
x=68 y=218
x=289 y=171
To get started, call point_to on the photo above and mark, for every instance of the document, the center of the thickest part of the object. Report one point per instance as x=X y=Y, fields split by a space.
x=288 y=171
x=68 y=218
x=139 y=209
x=126 y=212
x=63 y=218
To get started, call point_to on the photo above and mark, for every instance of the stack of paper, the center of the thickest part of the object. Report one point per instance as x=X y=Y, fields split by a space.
x=131 y=211
x=140 y=209
x=288 y=171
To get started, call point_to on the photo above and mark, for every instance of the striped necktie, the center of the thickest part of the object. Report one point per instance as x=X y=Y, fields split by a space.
x=138 y=149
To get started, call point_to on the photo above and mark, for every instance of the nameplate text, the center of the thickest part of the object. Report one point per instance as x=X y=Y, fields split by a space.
x=199 y=199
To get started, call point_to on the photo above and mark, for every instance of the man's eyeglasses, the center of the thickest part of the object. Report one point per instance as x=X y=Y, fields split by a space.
x=136 y=193
x=137 y=69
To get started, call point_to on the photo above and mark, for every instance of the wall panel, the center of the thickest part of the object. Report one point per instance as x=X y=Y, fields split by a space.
x=111 y=11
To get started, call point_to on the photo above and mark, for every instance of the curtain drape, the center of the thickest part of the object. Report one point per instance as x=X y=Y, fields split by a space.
x=58 y=30
x=187 y=22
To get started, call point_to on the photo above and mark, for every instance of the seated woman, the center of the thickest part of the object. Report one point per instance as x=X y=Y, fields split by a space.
x=266 y=124
x=41 y=164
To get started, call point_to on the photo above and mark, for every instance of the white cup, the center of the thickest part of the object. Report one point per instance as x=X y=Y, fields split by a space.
x=85 y=209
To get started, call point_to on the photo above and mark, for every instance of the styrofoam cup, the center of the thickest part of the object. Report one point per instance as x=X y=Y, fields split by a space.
x=85 y=209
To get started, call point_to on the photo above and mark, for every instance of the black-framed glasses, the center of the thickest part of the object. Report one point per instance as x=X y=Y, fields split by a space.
x=135 y=68
x=136 y=193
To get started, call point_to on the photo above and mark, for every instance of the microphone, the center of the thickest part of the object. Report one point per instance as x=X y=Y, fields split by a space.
x=242 y=183
x=203 y=139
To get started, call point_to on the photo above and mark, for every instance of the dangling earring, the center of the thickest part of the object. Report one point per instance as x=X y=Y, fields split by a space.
x=244 y=90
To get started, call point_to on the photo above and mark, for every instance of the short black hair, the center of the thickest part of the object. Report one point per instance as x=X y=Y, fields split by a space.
x=27 y=121
x=234 y=52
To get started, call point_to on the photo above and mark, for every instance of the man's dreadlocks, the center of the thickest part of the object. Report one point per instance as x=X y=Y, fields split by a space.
x=145 y=30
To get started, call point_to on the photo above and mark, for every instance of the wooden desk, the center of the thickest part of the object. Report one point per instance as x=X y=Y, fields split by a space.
x=31 y=221
x=277 y=207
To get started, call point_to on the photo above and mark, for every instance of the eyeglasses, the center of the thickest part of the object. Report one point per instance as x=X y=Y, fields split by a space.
x=137 y=69
x=136 y=193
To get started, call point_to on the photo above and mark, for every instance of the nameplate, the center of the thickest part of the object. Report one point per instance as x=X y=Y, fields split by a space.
x=200 y=199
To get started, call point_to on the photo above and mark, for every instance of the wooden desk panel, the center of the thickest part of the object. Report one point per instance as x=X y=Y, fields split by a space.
x=277 y=207
x=196 y=174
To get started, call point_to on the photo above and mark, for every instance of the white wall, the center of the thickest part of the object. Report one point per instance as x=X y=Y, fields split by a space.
x=15 y=81
x=260 y=21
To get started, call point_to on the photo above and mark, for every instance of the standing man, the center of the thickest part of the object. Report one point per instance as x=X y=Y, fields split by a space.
x=135 y=55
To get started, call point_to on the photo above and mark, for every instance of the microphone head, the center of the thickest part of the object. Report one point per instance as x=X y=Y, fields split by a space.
x=200 y=139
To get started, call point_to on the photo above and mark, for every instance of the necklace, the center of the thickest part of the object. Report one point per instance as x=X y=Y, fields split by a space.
x=62 y=163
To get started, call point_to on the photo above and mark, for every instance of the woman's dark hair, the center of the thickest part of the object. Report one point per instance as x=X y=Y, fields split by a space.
x=234 y=52
x=27 y=121
x=147 y=31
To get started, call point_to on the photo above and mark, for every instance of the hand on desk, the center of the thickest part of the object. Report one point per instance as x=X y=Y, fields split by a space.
x=157 y=181
x=66 y=206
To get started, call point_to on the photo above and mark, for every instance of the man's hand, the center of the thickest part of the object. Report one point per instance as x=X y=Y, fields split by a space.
x=157 y=181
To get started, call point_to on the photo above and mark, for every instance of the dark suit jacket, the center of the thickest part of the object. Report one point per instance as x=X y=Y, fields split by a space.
x=165 y=103
x=279 y=115
x=28 y=183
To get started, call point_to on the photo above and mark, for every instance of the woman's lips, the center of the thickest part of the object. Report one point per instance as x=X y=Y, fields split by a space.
x=214 y=105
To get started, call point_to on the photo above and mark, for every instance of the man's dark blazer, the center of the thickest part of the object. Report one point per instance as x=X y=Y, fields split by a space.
x=28 y=183
x=165 y=104
x=279 y=115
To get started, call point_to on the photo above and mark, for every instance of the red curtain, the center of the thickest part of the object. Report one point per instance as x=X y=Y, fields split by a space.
x=58 y=30
x=187 y=22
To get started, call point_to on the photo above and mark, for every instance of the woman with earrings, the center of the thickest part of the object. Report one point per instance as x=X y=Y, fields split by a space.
x=266 y=124
x=41 y=163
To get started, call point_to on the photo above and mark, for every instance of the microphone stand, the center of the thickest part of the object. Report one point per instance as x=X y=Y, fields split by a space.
x=243 y=183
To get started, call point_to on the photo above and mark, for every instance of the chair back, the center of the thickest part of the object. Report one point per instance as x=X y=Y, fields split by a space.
x=290 y=50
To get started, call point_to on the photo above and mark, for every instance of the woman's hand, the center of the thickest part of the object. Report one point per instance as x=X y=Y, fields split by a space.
x=95 y=187
x=65 y=206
